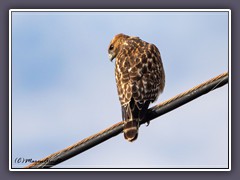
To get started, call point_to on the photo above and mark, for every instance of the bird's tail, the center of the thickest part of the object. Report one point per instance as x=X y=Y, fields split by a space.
x=132 y=114
x=130 y=129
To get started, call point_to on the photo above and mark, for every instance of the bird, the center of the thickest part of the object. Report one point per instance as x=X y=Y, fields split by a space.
x=140 y=78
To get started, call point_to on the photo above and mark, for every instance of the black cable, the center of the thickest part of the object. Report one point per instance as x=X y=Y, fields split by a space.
x=152 y=113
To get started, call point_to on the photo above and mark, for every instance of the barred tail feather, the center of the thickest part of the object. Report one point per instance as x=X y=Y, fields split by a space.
x=132 y=114
x=130 y=129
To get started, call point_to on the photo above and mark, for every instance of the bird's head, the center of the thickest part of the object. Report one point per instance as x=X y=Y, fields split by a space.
x=115 y=45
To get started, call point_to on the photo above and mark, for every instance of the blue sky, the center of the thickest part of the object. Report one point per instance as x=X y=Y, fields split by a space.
x=63 y=87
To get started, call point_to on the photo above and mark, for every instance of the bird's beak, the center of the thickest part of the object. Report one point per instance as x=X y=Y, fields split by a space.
x=110 y=56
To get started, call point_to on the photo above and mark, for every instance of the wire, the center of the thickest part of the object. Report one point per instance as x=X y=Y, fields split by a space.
x=116 y=129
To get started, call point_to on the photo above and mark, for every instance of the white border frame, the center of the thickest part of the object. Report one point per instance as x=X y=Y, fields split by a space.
x=119 y=10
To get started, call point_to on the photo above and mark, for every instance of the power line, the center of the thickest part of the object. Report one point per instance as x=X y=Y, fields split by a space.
x=116 y=129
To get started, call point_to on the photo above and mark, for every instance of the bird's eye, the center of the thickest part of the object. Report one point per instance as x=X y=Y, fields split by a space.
x=111 y=47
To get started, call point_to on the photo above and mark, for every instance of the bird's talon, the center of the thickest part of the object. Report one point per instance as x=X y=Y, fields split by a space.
x=147 y=123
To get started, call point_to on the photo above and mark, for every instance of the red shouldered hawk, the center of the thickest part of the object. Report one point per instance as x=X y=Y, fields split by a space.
x=139 y=76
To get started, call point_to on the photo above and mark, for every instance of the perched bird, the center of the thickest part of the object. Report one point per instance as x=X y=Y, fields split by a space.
x=140 y=78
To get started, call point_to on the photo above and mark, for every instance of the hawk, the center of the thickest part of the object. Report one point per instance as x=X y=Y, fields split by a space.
x=140 y=78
